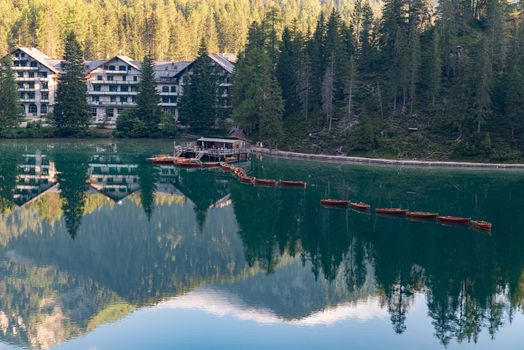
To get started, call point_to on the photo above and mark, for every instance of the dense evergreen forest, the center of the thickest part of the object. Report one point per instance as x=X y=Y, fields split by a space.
x=420 y=80
x=167 y=29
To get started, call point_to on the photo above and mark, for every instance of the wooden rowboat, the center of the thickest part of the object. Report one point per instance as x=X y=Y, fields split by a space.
x=246 y=179
x=163 y=159
x=421 y=215
x=335 y=202
x=265 y=182
x=454 y=219
x=481 y=225
x=360 y=206
x=293 y=183
x=210 y=164
x=391 y=211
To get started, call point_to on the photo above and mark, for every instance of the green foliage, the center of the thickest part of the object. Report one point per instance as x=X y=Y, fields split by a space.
x=198 y=104
x=256 y=95
x=10 y=115
x=148 y=109
x=129 y=124
x=71 y=113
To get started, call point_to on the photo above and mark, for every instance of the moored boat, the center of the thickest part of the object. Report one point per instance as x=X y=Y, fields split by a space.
x=210 y=164
x=293 y=183
x=265 y=182
x=421 y=215
x=391 y=211
x=481 y=225
x=360 y=206
x=454 y=219
x=162 y=159
x=246 y=179
x=335 y=202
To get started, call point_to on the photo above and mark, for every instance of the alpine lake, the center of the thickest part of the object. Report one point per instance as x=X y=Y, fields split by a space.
x=101 y=249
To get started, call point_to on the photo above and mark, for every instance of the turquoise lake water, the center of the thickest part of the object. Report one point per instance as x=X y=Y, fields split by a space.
x=100 y=249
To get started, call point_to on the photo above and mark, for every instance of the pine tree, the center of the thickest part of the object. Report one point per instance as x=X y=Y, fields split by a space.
x=256 y=96
x=286 y=70
x=148 y=98
x=482 y=100
x=199 y=100
x=10 y=115
x=71 y=113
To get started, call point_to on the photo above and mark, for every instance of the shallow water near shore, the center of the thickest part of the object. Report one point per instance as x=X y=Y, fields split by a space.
x=100 y=249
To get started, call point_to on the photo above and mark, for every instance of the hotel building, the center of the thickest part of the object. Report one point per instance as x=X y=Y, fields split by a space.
x=112 y=84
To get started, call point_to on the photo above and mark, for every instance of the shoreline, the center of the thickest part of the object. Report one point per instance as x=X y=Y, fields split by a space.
x=382 y=161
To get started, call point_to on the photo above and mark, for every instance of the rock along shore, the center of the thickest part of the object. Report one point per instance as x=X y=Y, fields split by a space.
x=363 y=160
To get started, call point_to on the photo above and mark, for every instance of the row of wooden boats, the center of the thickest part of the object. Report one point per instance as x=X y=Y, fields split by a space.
x=478 y=224
x=187 y=162
x=242 y=176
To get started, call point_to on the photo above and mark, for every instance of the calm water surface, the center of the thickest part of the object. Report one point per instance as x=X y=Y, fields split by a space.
x=101 y=250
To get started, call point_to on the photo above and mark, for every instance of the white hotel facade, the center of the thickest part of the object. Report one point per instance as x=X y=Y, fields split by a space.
x=112 y=84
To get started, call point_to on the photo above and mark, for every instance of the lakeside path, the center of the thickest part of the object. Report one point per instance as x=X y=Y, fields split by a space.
x=363 y=160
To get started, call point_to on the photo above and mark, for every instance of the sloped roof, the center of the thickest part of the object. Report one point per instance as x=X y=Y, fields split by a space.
x=97 y=64
x=168 y=69
x=226 y=61
x=38 y=55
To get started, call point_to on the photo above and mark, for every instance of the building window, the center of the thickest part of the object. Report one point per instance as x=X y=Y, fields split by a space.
x=110 y=112
x=113 y=88
x=110 y=68
x=20 y=85
x=98 y=77
x=31 y=85
x=22 y=96
x=43 y=109
x=135 y=78
x=173 y=88
x=165 y=88
x=43 y=74
x=20 y=74
x=93 y=112
x=122 y=68
x=96 y=88
x=124 y=77
x=33 y=64
x=31 y=74
x=165 y=99
x=110 y=78
x=45 y=86
x=112 y=99
x=172 y=99
x=31 y=95
x=32 y=109
x=124 y=88
x=95 y=98
x=133 y=99
x=45 y=95
x=123 y=98
x=22 y=109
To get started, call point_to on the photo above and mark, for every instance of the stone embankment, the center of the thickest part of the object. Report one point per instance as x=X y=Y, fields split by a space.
x=363 y=160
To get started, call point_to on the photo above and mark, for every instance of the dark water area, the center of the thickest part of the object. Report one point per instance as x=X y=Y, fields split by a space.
x=100 y=249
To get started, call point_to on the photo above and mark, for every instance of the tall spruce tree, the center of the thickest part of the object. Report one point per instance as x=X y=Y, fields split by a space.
x=10 y=115
x=148 y=99
x=256 y=96
x=286 y=70
x=198 y=104
x=71 y=113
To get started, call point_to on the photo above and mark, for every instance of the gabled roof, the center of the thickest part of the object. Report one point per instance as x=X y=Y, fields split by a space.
x=38 y=55
x=226 y=61
x=168 y=69
x=97 y=64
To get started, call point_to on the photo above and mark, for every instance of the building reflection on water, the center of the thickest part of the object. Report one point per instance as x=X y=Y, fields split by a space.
x=37 y=174
x=181 y=236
